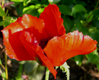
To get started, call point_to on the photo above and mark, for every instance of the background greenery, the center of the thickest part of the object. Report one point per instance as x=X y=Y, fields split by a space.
x=81 y=15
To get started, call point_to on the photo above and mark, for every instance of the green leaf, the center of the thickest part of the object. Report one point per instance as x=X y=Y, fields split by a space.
x=7 y=21
x=33 y=70
x=78 y=8
x=65 y=9
x=18 y=77
x=31 y=10
x=32 y=66
x=3 y=75
x=17 y=0
x=90 y=18
x=2 y=13
x=53 y=1
x=38 y=6
x=26 y=2
x=19 y=9
x=68 y=24
x=94 y=33
x=78 y=26
x=40 y=10
x=2 y=23
x=78 y=59
x=93 y=57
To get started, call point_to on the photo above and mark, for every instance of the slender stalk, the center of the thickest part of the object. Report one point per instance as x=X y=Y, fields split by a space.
x=47 y=74
x=6 y=69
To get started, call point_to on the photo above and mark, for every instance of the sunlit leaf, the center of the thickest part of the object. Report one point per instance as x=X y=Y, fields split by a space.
x=40 y=10
x=26 y=2
x=38 y=6
x=2 y=23
x=7 y=21
x=3 y=75
x=2 y=13
x=17 y=0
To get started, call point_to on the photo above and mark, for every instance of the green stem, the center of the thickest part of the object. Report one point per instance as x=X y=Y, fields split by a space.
x=47 y=74
x=6 y=70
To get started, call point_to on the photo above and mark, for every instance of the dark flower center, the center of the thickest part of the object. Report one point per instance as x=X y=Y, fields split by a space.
x=43 y=43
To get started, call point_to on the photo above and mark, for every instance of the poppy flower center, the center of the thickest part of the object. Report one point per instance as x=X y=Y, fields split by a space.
x=43 y=43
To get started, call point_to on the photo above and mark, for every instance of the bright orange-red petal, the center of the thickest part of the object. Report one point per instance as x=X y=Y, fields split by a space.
x=11 y=35
x=59 y=49
x=14 y=48
x=36 y=24
x=53 y=21
x=31 y=45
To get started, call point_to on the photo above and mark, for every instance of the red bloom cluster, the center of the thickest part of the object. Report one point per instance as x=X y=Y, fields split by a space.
x=45 y=39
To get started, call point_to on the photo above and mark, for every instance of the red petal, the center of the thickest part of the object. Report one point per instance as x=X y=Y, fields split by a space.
x=53 y=21
x=31 y=45
x=14 y=48
x=59 y=49
x=11 y=35
x=36 y=24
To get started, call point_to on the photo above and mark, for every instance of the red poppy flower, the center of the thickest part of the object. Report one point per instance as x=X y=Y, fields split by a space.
x=45 y=39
